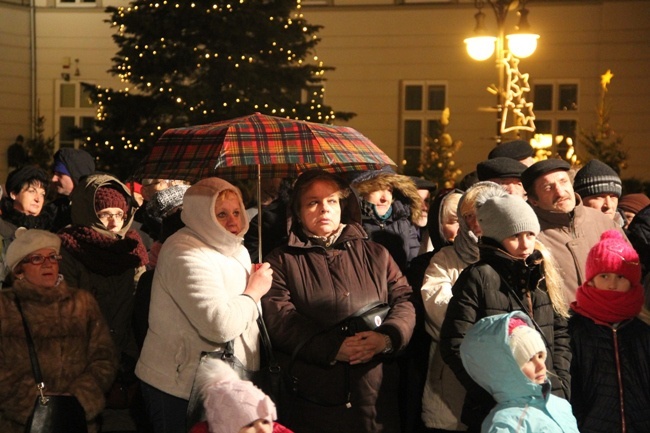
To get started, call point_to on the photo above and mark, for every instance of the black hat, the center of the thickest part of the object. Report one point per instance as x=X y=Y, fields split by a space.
x=541 y=168
x=516 y=149
x=595 y=178
x=24 y=175
x=421 y=183
x=497 y=168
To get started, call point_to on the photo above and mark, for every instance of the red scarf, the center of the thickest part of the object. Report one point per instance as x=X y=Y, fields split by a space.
x=608 y=306
x=102 y=254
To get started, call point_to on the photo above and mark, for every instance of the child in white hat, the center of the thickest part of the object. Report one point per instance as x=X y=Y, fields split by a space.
x=506 y=356
x=233 y=405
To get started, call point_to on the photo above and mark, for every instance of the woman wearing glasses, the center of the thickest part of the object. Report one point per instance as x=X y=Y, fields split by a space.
x=102 y=254
x=71 y=338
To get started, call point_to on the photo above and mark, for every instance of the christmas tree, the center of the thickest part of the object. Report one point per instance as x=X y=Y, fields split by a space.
x=603 y=143
x=196 y=62
x=437 y=161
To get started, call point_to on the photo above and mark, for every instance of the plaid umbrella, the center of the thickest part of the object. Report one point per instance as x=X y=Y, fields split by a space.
x=273 y=146
x=259 y=146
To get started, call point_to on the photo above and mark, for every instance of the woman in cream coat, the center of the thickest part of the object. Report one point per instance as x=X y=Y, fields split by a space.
x=204 y=294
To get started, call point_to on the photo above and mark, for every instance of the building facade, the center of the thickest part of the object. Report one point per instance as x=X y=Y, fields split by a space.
x=398 y=63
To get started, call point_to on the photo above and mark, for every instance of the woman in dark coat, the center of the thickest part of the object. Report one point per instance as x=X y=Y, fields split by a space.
x=327 y=272
x=503 y=280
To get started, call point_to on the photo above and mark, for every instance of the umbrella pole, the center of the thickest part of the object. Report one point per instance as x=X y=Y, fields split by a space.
x=259 y=213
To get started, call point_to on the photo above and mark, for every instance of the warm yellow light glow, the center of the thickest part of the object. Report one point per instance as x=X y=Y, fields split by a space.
x=542 y=141
x=480 y=47
x=522 y=45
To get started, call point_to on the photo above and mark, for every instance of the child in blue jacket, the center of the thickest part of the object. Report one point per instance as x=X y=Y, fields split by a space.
x=506 y=356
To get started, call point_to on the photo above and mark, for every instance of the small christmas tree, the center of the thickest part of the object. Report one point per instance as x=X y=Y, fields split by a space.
x=191 y=63
x=437 y=161
x=40 y=148
x=603 y=143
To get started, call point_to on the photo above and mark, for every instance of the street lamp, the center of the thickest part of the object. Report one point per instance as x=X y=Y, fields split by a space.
x=512 y=85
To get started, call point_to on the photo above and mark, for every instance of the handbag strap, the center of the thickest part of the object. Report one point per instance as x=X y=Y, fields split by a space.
x=36 y=367
x=266 y=343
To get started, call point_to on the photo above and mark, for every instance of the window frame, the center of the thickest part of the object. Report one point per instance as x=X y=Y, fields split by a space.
x=77 y=112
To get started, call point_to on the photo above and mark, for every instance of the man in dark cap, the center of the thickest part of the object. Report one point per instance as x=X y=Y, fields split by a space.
x=504 y=171
x=600 y=188
x=70 y=165
x=520 y=150
x=568 y=228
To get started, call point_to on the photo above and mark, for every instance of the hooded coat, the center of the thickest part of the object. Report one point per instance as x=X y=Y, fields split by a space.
x=397 y=233
x=79 y=164
x=73 y=344
x=106 y=264
x=196 y=297
x=314 y=288
x=522 y=405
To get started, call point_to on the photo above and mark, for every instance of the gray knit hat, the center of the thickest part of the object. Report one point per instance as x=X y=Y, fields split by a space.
x=166 y=200
x=502 y=217
x=596 y=178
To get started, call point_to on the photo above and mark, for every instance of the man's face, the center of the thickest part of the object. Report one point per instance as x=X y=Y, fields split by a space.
x=606 y=203
x=554 y=192
x=425 y=197
x=63 y=183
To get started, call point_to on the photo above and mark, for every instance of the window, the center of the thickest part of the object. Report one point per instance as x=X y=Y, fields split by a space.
x=73 y=110
x=421 y=107
x=76 y=3
x=556 y=110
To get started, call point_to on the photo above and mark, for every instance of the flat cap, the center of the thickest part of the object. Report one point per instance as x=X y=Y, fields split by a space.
x=516 y=149
x=498 y=168
x=540 y=168
x=421 y=183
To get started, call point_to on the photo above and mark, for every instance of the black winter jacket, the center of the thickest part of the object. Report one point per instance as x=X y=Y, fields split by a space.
x=601 y=355
x=489 y=287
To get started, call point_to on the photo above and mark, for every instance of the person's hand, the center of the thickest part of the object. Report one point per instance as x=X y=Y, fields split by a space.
x=361 y=347
x=260 y=281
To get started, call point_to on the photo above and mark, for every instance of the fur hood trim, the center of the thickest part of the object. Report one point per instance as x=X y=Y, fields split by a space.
x=403 y=188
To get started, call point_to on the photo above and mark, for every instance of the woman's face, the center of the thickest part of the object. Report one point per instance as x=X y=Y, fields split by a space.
x=228 y=213
x=45 y=274
x=30 y=199
x=382 y=199
x=112 y=218
x=320 y=208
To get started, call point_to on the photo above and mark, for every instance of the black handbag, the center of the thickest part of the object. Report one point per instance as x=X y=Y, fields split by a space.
x=267 y=378
x=52 y=413
x=367 y=318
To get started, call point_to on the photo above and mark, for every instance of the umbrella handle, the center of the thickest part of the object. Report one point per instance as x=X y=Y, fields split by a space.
x=259 y=213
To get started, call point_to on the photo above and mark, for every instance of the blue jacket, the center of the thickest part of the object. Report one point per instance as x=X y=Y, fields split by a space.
x=522 y=405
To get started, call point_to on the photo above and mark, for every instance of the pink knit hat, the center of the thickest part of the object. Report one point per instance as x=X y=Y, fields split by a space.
x=612 y=254
x=231 y=403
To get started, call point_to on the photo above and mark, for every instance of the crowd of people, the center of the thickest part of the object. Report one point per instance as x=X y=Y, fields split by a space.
x=514 y=302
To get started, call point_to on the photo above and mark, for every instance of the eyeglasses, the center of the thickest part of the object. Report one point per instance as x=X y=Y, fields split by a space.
x=38 y=259
x=118 y=216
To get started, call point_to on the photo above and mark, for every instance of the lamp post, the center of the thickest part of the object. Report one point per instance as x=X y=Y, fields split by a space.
x=512 y=85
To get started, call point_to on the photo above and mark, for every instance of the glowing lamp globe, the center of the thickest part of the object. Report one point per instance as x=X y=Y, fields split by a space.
x=522 y=45
x=480 y=47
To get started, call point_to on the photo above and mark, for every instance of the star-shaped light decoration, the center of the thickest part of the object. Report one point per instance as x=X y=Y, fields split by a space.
x=606 y=78
x=515 y=90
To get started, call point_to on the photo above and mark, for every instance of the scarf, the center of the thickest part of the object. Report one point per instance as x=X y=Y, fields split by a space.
x=101 y=254
x=41 y=221
x=608 y=306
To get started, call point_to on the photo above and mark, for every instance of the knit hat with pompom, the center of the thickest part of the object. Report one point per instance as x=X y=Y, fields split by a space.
x=524 y=341
x=613 y=254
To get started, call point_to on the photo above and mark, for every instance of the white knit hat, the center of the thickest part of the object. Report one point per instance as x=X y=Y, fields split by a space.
x=28 y=241
x=502 y=217
x=524 y=341
x=231 y=403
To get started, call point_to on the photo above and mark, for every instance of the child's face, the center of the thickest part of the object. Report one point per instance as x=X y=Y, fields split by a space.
x=261 y=425
x=520 y=245
x=535 y=368
x=610 y=281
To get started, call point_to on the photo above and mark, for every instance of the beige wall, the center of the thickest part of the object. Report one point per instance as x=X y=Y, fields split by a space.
x=373 y=47
x=14 y=78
